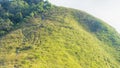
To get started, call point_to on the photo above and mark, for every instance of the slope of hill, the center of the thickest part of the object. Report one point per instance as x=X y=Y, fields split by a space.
x=37 y=34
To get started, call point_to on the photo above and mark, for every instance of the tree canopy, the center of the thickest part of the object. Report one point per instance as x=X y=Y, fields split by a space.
x=15 y=11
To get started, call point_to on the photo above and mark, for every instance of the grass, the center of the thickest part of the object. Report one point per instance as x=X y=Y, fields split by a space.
x=54 y=44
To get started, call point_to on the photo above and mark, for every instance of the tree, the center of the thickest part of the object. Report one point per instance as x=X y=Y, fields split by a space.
x=33 y=1
x=5 y=24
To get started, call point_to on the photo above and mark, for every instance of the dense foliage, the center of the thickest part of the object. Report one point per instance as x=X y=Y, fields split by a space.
x=13 y=12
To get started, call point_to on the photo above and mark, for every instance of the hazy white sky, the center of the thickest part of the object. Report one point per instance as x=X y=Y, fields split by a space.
x=107 y=10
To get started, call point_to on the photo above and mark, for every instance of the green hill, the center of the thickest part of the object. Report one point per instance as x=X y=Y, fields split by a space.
x=36 y=34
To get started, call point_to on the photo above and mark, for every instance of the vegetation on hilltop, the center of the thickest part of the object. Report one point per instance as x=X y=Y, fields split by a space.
x=36 y=34
x=13 y=12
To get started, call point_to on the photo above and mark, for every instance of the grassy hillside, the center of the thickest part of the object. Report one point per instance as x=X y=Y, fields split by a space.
x=56 y=37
